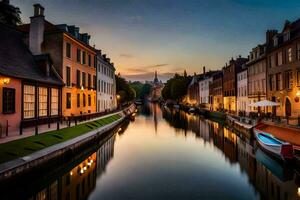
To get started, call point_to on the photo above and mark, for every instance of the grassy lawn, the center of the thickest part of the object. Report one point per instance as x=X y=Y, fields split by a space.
x=26 y=146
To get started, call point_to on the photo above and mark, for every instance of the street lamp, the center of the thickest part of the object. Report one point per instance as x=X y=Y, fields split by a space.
x=4 y=81
x=118 y=100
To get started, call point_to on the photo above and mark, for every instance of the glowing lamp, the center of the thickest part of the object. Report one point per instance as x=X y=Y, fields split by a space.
x=298 y=93
x=118 y=97
x=4 y=81
x=82 y=88
x=298 y=192
x=71 y=173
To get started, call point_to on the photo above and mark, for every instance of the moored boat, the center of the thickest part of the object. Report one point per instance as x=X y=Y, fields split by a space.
x=272 y=145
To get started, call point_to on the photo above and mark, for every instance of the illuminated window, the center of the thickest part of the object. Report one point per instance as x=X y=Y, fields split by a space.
x=290 y=54
x=29 y=101
x=289 y=80
x=43 y=101
x=54 y=101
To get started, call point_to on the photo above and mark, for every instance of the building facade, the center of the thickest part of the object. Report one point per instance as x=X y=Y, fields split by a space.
x=242 y=92
x=283 y=61
x=30 y=87
x=193 y=91
x=216 y=91
x=257 y=76
x=230 y=83
x=73 y=58
x=204 y=91
x=106 y=91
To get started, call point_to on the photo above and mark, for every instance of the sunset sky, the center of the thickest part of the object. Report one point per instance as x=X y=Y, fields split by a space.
x=169 y=36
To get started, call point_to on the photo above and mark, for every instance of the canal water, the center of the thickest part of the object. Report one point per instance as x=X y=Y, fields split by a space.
x=169 y=154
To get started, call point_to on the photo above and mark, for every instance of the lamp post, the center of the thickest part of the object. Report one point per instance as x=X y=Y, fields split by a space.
x=118 y=101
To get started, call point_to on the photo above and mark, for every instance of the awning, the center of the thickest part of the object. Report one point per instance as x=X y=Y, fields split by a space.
x=264 y=103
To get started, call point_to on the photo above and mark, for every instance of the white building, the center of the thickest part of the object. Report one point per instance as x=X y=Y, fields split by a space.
x=242 y=92
x=204 y=90
x=106 y=90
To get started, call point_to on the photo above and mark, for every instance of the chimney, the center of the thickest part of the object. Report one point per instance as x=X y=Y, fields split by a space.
x=269 y=36
x=204 y=70
x=36 y=32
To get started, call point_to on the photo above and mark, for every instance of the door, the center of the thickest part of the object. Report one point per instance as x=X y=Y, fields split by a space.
x=288 y=108
x=274 y=107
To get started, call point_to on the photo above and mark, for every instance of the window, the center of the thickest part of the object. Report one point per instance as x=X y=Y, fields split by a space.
x=78 y=79
x=272 y=61
x=94 y=82
x=83 y=79
x=286 y=36
x=78 y=55
x=78 y=100
x=279 y=58
x=83 y=57
x=83 y=99
x=289 y=80
x=68 y=76
x=298 y=51
x=95 y=61
x=89 y=81
x=99 y=86
x=8 y=99
x=68 y=50
x=89 y=100
x=290 y=54
x=43 y=101
x=89 y=60
x=29 y=101
x=68 y=103
x=278 y=81
x=275 y=41
x=54 y=101
x=271 y=82
x=102 y=86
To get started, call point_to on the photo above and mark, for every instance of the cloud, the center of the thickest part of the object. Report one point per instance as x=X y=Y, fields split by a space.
x=124 y=55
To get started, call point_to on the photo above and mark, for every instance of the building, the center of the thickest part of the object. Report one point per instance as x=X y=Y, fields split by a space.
x=230 y=83
x=204 y=89
x=106 y=92
x=193 y=91
x=242 y=92
x=257 y=76
x=156 y=89
x=30 y=87
x=73 y=58
x=216 y=91
x=283 y=73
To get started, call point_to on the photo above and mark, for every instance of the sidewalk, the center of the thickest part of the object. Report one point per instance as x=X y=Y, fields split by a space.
x=27 y=132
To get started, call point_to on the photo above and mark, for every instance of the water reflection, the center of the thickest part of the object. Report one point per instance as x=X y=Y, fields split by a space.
x=80 y=181
x=168 y=154
x=270 y=178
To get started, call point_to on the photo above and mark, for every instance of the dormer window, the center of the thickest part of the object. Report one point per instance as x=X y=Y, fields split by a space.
x=275 y=41
x=286 y=36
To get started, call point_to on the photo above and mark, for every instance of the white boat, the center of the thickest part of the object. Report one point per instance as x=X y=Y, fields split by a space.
x=272 y=145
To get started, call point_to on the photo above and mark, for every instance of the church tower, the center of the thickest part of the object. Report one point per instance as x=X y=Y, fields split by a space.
x=155 y=78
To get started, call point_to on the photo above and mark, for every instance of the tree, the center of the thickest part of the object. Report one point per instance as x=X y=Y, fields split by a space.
x=9 y=14
x=145 y=91
x=176 y=87
x=123 y=89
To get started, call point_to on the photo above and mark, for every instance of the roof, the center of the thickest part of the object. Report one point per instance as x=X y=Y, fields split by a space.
x=17 y=61
x=52 y=28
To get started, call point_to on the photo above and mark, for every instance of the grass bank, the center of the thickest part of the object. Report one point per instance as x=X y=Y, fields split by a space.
x=22 y=147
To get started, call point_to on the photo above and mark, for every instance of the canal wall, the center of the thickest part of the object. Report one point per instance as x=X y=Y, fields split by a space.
x=61 y=150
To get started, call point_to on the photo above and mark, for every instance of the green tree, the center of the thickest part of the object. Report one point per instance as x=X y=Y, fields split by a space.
x=9 y=14
x=123 y=89
x=176 y=87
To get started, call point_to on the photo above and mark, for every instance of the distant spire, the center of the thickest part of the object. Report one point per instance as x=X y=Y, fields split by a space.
x=155 y=77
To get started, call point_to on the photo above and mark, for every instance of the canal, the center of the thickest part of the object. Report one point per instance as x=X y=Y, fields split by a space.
x=165 y=154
